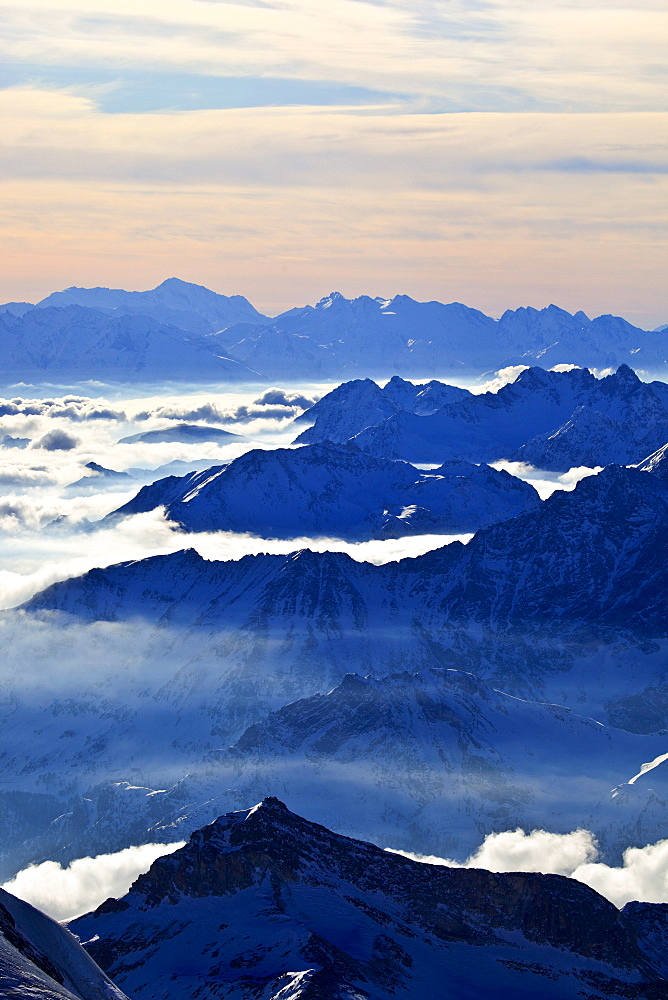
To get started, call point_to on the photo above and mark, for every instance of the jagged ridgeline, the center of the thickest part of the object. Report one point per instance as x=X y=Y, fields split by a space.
x=184 y=331
x=263 y=903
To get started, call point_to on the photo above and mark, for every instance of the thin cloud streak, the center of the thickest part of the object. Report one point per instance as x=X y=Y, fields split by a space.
x=27 y=571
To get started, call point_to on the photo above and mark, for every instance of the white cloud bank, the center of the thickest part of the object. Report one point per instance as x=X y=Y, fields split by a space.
x=27 y=568
x=543 y=481
x=643 y=875
x=81 y=886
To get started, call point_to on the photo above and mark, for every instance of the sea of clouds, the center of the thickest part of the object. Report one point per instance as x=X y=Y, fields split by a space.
x=45 y=529
x=49 y=498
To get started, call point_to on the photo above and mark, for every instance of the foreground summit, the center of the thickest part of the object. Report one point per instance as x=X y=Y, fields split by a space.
x=262 y=905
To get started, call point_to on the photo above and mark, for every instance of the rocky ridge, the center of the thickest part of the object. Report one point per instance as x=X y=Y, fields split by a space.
x=263 y=902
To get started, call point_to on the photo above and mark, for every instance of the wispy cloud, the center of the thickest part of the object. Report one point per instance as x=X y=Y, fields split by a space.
x=72 y=552
x=499 y=55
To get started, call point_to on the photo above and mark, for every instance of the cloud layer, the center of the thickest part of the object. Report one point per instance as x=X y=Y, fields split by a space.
x=81 y=886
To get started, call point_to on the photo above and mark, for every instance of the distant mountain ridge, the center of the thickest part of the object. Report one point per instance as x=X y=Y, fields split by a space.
x=551 y=419
x=174 y=303
x=340 y=337
x=184 y=331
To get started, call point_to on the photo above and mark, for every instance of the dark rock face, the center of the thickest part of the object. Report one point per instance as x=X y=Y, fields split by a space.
x=650 y=923
x=258 y=891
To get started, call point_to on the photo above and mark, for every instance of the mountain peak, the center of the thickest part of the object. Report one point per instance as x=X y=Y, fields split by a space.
x=329 y=300
x=269 y=805
x=295 y=895
x=627 y=374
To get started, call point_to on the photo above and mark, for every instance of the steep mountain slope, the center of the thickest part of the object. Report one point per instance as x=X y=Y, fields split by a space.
x=335 y=491
x=264 y=903
x=174 y=303
x=76 y=343
x=625 y=420
x=547 y=412
x=339 y=337
x=41 y=959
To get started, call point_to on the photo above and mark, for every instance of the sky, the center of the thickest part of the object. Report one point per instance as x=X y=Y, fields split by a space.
x=495 y=152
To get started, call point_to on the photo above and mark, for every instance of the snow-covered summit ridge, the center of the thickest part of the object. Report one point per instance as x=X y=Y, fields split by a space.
x=194 y=330
x=335 y=491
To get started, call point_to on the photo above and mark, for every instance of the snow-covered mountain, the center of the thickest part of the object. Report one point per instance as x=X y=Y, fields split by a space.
x=581 y=564
x=554 y=420
x=184 y=331
x=174 y=303
x=355 y=405
x=623 y=420
x=564 y=603
x=340 y=337
x=335 y=491
x=262 y=903
x=41 y=959
x=75 y=343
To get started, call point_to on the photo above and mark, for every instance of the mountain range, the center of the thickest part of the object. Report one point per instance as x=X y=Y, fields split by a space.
x=334 y=491
x=564 y=603
x=552 y=420
x=181 y=331
x=264 y=904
